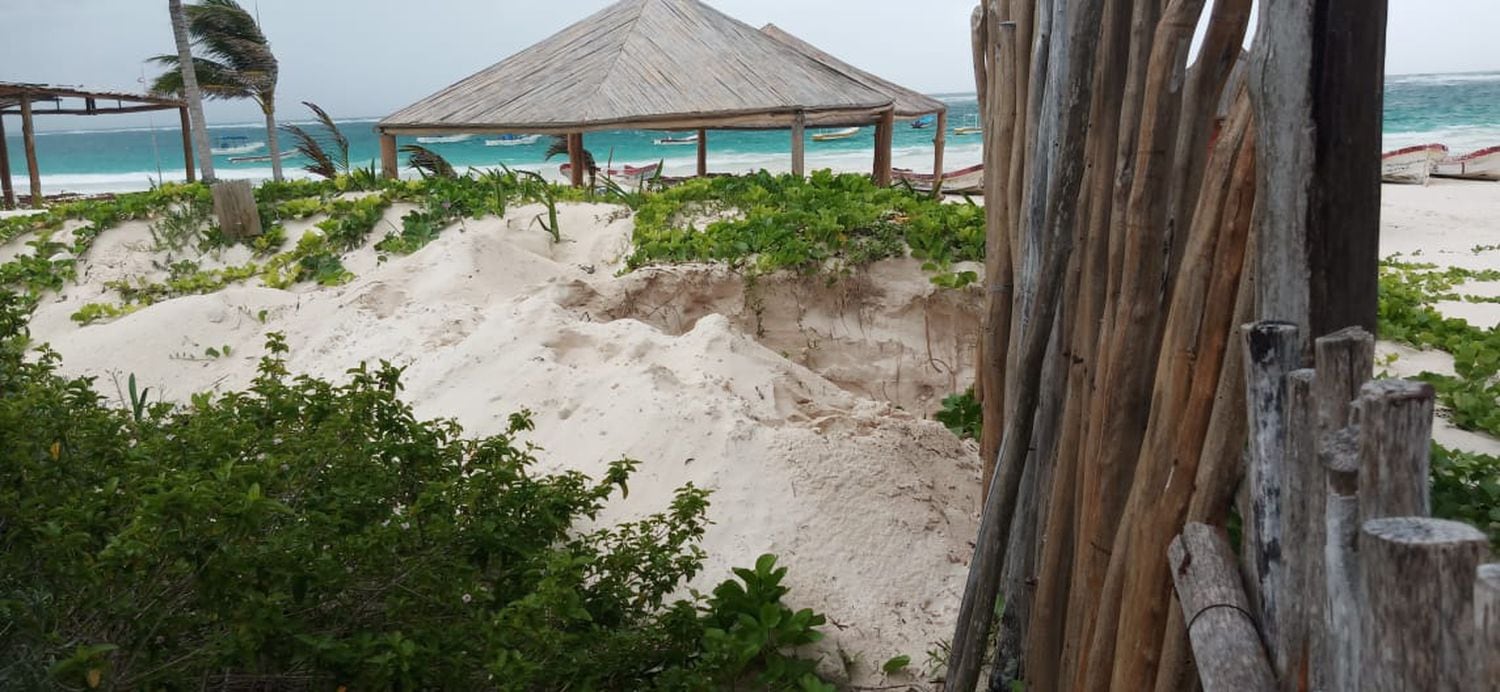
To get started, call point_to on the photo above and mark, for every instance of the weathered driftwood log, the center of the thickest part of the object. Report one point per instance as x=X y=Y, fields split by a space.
x=1303 y=478
x=1225 y=642
x=1418 y=577
x=1394 y=449
x=1272 y=349
x=1486 y=668
x=1345 y=360
x=234 y=206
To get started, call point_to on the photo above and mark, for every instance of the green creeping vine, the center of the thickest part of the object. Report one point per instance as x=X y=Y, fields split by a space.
x=1465 y=486
x=311 y=533
x=826 y=222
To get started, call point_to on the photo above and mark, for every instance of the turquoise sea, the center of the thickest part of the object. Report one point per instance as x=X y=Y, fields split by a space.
x=1460 y=110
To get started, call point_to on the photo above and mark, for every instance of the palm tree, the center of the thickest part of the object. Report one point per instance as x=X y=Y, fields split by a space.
x=190 y=91
x=235 y=62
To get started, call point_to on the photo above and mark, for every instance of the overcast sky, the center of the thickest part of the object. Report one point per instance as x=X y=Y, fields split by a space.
x=370 y=57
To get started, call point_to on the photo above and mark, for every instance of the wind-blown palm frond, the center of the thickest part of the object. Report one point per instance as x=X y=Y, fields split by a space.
x=428 y=162
x=330 y=159
x=215 y=80
x=559 y=147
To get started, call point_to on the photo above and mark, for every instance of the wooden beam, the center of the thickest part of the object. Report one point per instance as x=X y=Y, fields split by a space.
x=799 y=144
x=1343 y=227
x=576 y=159
x=702 y=153
x=7 y=190
x=939 y=142
x=1225 y=641
x=388 y=166
x=187 y=143
x=96 y=111
x=885 y=132
x=28 y=133
x=1418 y=581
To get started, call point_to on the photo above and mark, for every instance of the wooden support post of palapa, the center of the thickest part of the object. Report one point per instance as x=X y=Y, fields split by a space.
x=187 y=143
x=1418 y=580
x=7 y=191
x=1271 y=351
x=234 y=205
x=702 y=153
x=885 y=132
x=1395 y=442
x=28 y=135
x=1345 y=360
x=576 y=159
x=1225 y=642
x=799 y=144
x=1303 y=476
x=939 y=143
x=388 y=166
x=1486 y=668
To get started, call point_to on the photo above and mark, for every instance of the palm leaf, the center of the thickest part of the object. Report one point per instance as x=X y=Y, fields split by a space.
x=428 y=162
x=559 y=147
x=215 y=80
x=308 y=146
x=340 y=142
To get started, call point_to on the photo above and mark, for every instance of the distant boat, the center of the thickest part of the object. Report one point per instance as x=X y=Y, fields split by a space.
x=235 y=144
x=923 y=122
x=1480 y=165
x=262 y=159
x=845 y=133
x=448 y=139
x=512 y=140
x=1411 y=165
x=968 y=130
x=667 y=141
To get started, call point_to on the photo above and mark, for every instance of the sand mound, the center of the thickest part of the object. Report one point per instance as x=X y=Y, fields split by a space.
x=801 y=403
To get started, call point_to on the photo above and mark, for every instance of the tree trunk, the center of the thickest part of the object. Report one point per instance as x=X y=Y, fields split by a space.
x=190 y=91
x=275 y=147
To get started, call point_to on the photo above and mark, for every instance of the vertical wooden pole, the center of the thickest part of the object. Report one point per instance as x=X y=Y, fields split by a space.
x=799 y=127
x=702 y=153
x=1343 y=228
x=1394 y=448
x=1303 y=478
x=7 y=190
x=939 y=143
x=187 y=144
x=1487 y=628
x=885 y=132
x=1271 y=351
x=576 y=159
x=1418 y=576
x=388 y=166
x=28 y=133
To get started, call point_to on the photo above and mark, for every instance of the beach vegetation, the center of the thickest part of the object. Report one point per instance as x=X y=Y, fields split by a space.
x=234 y=61
x=182 y=225
x=961 y=414
x=310 y=533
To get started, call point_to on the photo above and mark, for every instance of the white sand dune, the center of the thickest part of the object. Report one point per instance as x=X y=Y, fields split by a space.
x=801 y=404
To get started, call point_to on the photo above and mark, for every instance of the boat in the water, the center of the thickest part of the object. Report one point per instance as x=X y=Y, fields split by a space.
x=512 y=140
x=963 y=180
x=263 y=158
x=668 y=141
x=1480 y=165
x=924 y=122
x=1411 y=165
x=446 y=139
x=845 y=133
x=232 y=145
x=623 y=172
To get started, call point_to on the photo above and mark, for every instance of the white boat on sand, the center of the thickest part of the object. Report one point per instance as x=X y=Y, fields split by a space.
x=845 y=133
x=1480 y=165
x=963 y=180
x=1411 y=165
x=448 y=139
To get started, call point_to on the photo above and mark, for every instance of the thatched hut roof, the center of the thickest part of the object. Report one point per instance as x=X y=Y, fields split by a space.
x=649 y=64
x=909 y=103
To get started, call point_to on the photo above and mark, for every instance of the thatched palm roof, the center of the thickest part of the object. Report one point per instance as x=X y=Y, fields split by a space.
x=909 y=103
x=653 y=64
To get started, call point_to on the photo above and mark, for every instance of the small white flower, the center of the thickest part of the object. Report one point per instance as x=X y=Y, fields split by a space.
x=468 y=598
x=405 y=524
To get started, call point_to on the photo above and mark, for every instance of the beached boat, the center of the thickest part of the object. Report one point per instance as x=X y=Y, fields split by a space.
x=1480 y=165
x=965 y=180
x=623 y=172
x=923 y=122
x=512 y=140
x=668 y=141
x=1411 y=165
x=232 y=145
x=446 y=139
x=266 y=158
x=845 y=133
x=968 y=130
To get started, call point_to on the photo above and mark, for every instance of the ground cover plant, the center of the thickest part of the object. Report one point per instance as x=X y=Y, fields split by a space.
x=305 y=533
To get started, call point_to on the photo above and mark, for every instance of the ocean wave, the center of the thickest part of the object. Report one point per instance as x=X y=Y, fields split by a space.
x=1442 y=79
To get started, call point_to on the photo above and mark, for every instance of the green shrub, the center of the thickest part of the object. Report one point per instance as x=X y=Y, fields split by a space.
x=961 y=414
x=306 y=533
